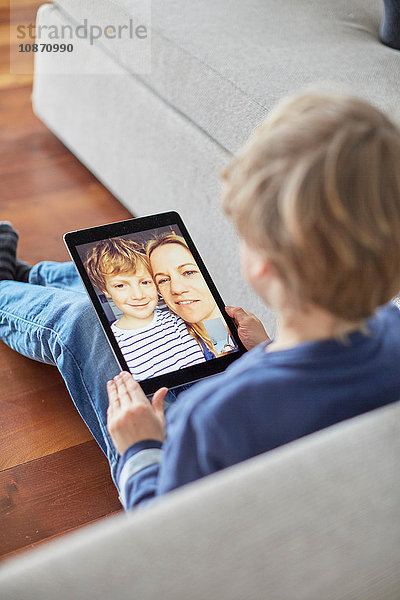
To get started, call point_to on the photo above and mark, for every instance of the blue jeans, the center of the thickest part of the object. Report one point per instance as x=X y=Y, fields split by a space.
x=51 y=320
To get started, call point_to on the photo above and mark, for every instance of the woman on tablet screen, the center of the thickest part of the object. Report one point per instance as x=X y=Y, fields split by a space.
x=185 y=292
x=154 y=340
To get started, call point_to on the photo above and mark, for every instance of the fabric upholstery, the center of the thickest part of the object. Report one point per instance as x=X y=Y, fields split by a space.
x=150 y=157
x=225 y=64
x=158 y=140
x=318 y=518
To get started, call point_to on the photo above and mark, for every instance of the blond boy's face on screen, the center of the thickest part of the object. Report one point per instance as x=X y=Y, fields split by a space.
x=181 y=284
x=133 y=293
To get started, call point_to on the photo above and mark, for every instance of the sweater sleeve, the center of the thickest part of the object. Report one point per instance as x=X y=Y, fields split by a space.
x=149 y=468
x=138 y=471
x=200 y=433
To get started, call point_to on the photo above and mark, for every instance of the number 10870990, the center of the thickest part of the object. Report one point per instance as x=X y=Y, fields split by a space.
x=45 y=48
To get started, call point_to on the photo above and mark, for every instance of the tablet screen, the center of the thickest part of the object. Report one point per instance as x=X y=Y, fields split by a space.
x=156 y=301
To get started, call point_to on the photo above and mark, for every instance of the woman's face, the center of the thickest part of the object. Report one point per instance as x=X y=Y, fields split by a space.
x=181 y=284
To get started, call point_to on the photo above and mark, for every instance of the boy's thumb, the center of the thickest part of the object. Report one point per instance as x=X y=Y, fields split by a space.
x=236 y=312
x=157 y=401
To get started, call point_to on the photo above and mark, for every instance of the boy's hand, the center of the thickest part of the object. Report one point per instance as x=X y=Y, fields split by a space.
x=130 y=416
x=250 y=329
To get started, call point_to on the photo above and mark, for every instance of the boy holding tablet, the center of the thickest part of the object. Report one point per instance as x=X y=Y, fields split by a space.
x=315 y=196
x=153 y=341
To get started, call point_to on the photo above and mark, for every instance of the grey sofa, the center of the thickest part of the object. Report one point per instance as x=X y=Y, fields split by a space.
x=157 y=134
x=318 y=518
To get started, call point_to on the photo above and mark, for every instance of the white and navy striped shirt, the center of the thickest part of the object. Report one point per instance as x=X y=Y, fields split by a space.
x=163 y=346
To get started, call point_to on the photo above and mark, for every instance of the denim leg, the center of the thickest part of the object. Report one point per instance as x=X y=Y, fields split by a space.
x=62 y=275
x=51 y=320
x=60 y=328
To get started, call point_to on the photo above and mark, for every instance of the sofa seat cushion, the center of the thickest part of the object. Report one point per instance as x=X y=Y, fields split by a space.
x=222 y=63
x=317 y=519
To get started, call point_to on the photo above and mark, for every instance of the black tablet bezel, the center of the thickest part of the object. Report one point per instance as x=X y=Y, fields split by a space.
x=136 y=225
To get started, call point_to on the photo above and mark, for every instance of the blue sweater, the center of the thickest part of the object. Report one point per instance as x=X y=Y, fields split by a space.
x=265 y=400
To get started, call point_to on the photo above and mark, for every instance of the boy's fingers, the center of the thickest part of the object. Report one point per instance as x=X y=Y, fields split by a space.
x=133 y=389
x=157 y=401
x=236 y=313
x=112 y=394
x=123 y=393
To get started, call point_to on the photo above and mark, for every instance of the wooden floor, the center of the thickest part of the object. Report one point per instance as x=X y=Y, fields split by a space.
x=53 y=477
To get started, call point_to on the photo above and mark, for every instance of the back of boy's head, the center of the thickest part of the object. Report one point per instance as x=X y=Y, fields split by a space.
x=111 y=257
x=317 y=191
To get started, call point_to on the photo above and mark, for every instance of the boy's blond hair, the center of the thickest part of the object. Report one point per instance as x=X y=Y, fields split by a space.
x=317 y=190
x=114 y=256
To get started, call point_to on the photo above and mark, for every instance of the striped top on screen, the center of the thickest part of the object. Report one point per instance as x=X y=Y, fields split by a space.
x=163 y=346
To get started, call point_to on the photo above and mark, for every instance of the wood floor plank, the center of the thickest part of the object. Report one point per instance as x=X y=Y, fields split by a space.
x=23 y=13
x=41 y=179
x=53 y=479
x=15 y=119
x=14 y=64
x=38 y=150
x=30 y=4
x=54 y=494
x=54 y=537
x=8 y=80
x=38 y=415
x=86 y=205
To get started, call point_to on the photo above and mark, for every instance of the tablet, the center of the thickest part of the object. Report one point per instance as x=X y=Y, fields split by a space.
x=158 y=306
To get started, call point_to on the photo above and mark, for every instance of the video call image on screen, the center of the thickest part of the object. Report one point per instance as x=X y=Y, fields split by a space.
x=161 y=311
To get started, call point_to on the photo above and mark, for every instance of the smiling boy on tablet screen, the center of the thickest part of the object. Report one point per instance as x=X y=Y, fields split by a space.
x=153 y=341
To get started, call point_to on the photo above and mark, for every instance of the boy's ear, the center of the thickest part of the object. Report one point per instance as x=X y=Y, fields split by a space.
x=256 y=268
x=254 y=262
x=262 y=266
